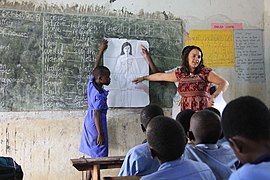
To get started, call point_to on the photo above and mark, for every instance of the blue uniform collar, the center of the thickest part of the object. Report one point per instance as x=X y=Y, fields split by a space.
x=263 y=158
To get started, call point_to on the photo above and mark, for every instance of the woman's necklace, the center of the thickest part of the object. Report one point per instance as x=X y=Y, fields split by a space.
x=192 y=75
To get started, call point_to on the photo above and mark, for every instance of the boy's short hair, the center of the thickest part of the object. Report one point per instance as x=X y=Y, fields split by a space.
x=248 y=117
x=215 y=110
x=207 y=127
x=100 y=71
x=148 y=112
x=166 y=137
x=183 y=118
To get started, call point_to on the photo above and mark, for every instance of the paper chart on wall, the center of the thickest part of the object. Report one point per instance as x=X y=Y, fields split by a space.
x=217 y=46
x=249 y=56
x=125 y=60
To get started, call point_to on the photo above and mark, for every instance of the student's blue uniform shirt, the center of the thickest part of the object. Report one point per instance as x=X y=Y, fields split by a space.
x=258 y=170
x=139 y=162
x=220 y=158
x=97 y=100
x=183 y=169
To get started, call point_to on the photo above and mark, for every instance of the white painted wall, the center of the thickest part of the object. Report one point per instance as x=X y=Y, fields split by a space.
x=43 y=142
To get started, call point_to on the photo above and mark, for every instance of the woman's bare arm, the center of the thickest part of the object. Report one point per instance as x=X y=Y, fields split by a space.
x=219 y=81
x=169 y=77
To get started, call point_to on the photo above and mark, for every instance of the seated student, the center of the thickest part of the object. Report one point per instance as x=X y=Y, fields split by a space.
x=221 y=138
x=213 y=109
x=166 y=139
x=183 y=118
x=246 y=125
x=9 y=169
x=205 y=130
x=138 y=160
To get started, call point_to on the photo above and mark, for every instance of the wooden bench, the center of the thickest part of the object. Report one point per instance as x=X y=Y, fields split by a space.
x=95 y=164
x=123 y=178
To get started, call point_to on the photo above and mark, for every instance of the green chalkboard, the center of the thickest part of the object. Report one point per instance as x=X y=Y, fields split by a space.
x=46 y=58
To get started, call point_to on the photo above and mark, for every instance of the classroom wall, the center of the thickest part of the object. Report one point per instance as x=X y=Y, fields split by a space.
x=44 y=141
x=266 y=18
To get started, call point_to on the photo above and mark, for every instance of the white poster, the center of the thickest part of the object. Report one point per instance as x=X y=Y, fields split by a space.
x=125 y=60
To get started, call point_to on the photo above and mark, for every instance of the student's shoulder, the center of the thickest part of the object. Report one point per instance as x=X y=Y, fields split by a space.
x=199 y=166
x=139 y=150
x=252 y=171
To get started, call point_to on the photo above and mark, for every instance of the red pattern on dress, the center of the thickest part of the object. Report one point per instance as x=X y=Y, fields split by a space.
x=194 y=89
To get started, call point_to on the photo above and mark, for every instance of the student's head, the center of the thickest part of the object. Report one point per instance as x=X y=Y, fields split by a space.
x=148 y=112
x=205 y=127
x=183 y=118
x=102 y=75
x=246 y=125
x=166 y=138
x=215 y=110
x=126 y=48
x=192 y=58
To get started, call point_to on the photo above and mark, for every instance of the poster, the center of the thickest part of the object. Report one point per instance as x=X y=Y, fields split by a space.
x=249 y=56
x=126 y=62
x=217 y=46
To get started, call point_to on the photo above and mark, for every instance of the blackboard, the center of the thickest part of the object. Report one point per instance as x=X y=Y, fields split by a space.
x=46 y=58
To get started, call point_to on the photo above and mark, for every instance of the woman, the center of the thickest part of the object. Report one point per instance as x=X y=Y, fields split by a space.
x=194 y=80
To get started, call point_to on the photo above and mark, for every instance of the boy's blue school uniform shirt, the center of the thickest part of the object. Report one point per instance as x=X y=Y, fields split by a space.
x=97 y=100
x=139 y=162
x=220 y=158
x=259 y=170
x=183 y=169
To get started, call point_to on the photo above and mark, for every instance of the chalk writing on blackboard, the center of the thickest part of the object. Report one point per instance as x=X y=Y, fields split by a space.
x=249 y=58
x=46 y=58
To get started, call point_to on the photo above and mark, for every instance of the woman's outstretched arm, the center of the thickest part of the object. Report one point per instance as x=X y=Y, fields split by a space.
x=169 y=77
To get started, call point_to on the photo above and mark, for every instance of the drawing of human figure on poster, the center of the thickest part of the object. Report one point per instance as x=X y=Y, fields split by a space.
x=125 y=60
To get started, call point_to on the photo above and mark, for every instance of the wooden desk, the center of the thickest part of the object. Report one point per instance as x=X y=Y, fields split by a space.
x=123 y=178
x=95 y=164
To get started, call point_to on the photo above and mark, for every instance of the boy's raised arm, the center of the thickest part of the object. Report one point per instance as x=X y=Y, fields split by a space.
x=102 y=47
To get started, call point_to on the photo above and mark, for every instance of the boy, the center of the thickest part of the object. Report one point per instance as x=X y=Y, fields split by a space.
x=246 y=125
x=94 y=140
x=205 y=130
x=138 y=161
x=184 y=117
x=166 y=140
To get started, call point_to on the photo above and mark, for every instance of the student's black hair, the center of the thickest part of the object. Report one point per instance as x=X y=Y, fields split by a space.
x=185 y=65
x=100 y=71
x=247 y=117
x=124 y=45
x=215 y=110
x=166 y=137
x=183 y=118
x=148 y=112
x=208 y=127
